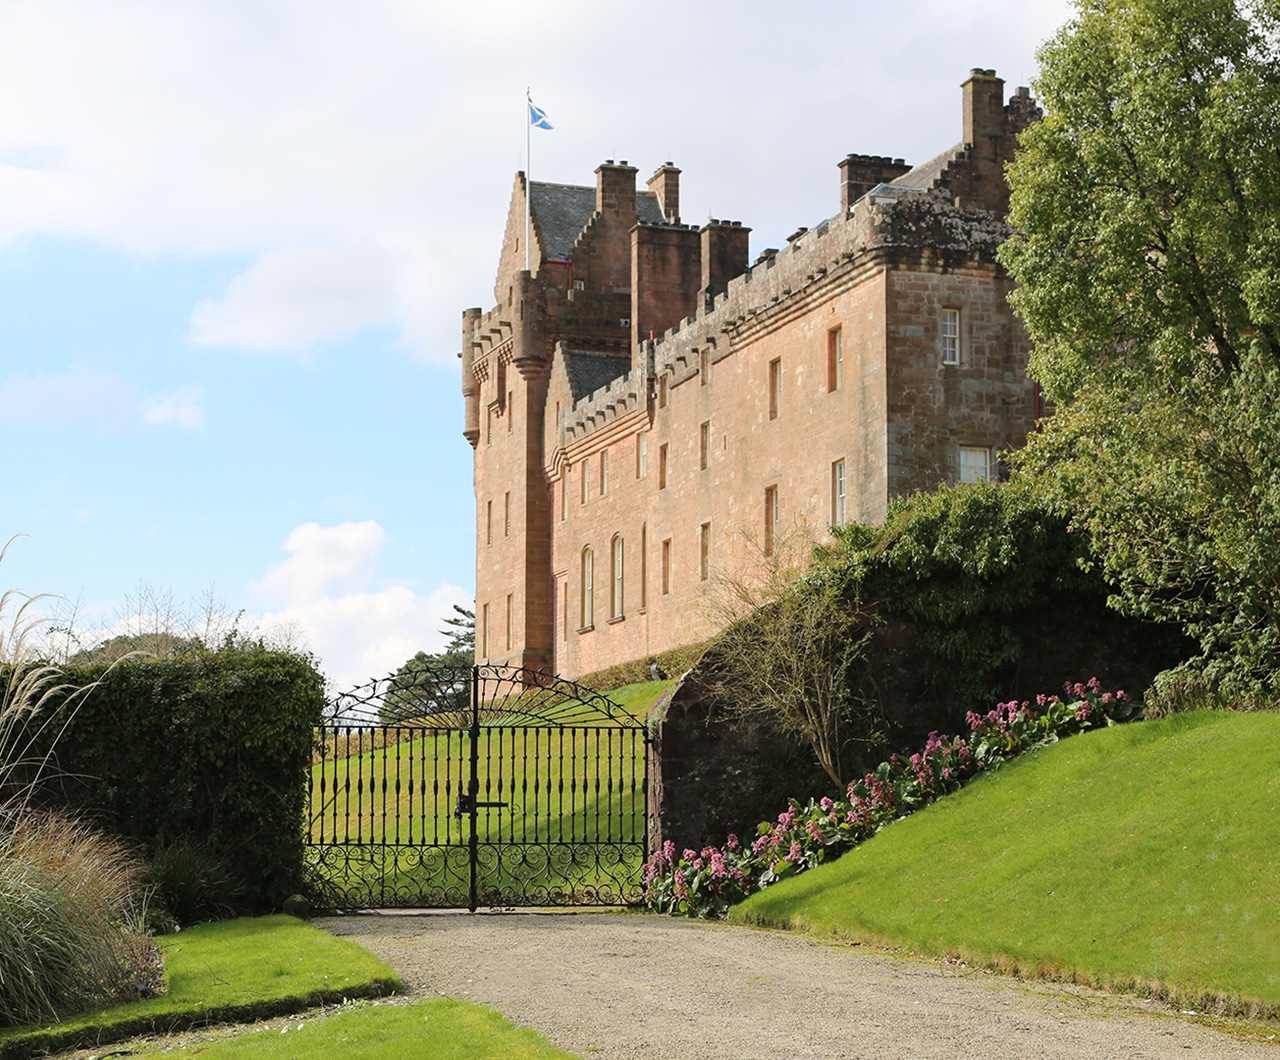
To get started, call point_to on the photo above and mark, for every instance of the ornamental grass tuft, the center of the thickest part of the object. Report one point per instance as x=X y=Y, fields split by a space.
x=69 y=896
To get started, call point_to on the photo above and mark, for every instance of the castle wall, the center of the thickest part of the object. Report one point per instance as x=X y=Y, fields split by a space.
x=851 y=367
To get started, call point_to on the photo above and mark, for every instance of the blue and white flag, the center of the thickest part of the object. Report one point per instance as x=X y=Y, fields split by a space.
x=538 y=116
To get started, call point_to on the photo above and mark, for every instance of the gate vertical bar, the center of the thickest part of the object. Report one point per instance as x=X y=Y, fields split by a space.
x=473 y=787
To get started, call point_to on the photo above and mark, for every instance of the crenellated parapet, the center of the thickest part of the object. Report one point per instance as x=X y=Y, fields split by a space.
x=622 y=396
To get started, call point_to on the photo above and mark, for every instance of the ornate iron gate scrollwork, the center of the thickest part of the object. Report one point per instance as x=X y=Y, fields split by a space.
x=479 y=786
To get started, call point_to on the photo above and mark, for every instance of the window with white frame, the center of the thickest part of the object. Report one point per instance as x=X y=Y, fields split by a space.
x=615 y=577
x=644 y=566
x=587 y=609
x=835 y=359
x=604 y=472
x=642 y=455
x=950 y=333
x=839 y=491
x=975 y=463
x=770 y=518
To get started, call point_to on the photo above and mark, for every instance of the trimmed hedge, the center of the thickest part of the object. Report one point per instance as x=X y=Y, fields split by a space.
x=211 y=746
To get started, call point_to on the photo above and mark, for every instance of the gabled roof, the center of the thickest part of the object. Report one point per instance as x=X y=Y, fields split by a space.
x=926 y=174
x=561 y=212
x=588 y=372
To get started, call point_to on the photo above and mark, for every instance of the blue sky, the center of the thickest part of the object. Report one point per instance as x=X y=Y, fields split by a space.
x=236 y=239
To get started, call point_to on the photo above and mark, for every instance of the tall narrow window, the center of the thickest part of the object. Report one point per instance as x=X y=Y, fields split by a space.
x=838 y=493
x=564 y=608
x=662 y=391
x=604 y=472
x=587 y=609
x=704 y=445
x=488 y=425
x=835 y=359
x=704 y=551
x=506 y=514
x=704 y=367
x=615 y=577
x=975 y=463
x=666 y=566
x=511 y=411
x=642 y=455
x=586 y=479
x=484 y=631
x=775 y=386
x=511 y=621
x=770 y=518
x=644 y=566
x=662 y=466
x=488 y=522
x=564 y=495
x=951 y=336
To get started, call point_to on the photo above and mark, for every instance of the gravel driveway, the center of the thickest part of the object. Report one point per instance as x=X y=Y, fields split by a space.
x=642 y=987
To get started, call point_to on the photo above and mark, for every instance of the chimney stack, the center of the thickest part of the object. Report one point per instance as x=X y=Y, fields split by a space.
x=616 y=191
x=725 y=254
x=860 y=173
x=984 y=117
x=665 y=184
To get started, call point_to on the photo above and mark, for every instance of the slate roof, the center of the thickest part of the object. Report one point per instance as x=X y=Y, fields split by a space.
x=588 y=372
x=561 y=211
x=926 y=174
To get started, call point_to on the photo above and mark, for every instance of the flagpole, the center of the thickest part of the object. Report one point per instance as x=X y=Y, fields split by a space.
x=528 y=178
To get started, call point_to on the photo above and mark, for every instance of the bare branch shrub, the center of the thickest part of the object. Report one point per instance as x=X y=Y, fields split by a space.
x=792 y=651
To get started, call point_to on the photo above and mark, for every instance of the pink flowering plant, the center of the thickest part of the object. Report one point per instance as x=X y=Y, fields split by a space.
x=705 y=883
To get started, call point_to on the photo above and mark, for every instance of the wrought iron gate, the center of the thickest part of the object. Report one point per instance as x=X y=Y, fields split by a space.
x=479 y=786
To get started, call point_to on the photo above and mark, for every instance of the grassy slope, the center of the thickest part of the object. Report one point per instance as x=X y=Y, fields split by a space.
x=235 y=969
x=1138 y=855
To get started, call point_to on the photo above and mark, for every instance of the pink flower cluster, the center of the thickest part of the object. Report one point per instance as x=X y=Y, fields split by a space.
x=707 y=882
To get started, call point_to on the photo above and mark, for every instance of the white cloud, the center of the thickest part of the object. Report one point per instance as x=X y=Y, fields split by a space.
x=102 y=401
x=359 y=636
x=324 y=590
x=265 y=128
x=297 y=298
x=181 y=408
x=323 y=560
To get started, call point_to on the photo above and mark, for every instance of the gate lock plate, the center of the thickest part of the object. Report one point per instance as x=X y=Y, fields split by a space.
x=467 y=803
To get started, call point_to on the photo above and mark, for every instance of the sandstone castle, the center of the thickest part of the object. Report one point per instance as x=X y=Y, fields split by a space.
x=648 y=407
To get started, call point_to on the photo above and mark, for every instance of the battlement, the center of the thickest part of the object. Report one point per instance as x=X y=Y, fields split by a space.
x=622 y=395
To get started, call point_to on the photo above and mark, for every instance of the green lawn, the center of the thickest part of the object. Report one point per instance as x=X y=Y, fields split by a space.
x=249 y=969
x=441 y=1028
x=234 y=969
x=1144 y=855
x=561 y=792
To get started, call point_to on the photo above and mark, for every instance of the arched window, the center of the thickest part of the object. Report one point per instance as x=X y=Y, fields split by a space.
x=615 y=580
x=588 y=615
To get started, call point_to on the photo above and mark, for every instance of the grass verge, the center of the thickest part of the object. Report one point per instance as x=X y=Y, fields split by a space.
x=1142 y=858
x=229 y=971
x=441 y=1028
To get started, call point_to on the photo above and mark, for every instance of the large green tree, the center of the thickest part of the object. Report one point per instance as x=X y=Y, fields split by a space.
x=1148 y=201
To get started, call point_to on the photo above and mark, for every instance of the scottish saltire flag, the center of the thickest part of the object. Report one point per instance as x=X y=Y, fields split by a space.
x=538 y=116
